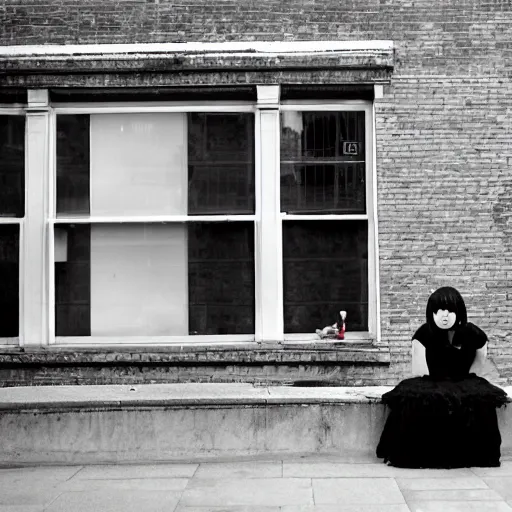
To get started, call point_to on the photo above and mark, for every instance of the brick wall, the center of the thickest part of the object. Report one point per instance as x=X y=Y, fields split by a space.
x=443 y=129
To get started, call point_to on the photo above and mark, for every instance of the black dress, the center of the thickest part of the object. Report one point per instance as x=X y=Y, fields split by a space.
x=446 y=419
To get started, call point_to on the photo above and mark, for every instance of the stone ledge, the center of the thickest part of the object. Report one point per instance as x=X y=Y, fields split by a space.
x=105 y=397
x=177 y=395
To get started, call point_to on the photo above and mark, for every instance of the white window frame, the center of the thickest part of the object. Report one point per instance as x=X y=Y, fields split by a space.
x=267 y=220
x=53 y=220
x=370 y=216
x=20 y=222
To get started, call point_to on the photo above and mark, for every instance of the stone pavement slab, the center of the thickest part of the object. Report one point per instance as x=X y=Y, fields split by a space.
x=43 y=474
x=452 y=495
x=376 y=470
x=342 y=507
x=33 y=487
x=123 y=471
x=248 y=491
x=501 y=484
x=356 y=491
x=238 y=508
x=237 y=470
x=33 y=496
x=114 y=500
x=21 y=508
x=460 y=506
x=504 y=470
x=425 y=484
x=142 y=484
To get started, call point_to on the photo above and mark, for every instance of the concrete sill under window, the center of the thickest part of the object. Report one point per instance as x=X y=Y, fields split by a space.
x=285 y=364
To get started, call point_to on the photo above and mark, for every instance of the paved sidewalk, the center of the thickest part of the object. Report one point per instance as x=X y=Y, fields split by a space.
x=298 y=484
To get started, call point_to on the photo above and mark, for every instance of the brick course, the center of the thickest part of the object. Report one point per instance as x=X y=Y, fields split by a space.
x=443 y=130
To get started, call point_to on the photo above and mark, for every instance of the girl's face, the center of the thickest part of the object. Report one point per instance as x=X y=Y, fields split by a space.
x=445 y=319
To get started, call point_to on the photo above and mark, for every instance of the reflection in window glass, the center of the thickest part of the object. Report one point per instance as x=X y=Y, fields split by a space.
x=322 y=162
x=325 y=270
x=9 y=277
x=155 y=164
x=12 y=166
x=220 y=163
x=154 y=279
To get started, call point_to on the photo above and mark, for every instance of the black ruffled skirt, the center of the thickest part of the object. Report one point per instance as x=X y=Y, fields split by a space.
x=442 y=423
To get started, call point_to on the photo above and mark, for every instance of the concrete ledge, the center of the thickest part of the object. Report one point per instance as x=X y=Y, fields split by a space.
x=109 y=424
x=172 y=395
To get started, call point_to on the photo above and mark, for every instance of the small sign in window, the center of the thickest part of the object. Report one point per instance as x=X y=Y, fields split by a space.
x=350 y=148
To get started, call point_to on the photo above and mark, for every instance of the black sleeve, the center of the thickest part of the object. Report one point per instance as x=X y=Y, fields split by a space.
x=477 y=337
x=422 y=335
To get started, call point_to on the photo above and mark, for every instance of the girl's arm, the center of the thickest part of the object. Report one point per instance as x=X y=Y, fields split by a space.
x=419 y=359
x=479 y=361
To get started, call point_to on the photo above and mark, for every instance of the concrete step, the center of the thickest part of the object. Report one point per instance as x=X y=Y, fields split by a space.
x=169 y=422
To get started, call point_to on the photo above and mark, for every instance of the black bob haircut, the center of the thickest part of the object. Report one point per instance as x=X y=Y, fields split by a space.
x=447 y=298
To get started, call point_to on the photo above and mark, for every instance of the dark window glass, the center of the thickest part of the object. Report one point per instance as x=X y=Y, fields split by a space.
x=322 y=162
x=73 y=164
x=12 y=166
x=154 y=279
x=220 y=163
x=73 y=280
x=221 y=278
x=325 y=270
x=9 y=277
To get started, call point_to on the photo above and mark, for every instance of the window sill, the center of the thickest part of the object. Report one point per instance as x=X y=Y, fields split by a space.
x=284 y=353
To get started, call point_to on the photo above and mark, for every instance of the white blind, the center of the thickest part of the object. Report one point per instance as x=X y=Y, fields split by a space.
x=139 y=280
x=139 y=164
x=139 y=273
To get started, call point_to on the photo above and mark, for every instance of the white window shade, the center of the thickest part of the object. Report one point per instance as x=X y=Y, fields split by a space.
x=139 y=280
x=138 y=164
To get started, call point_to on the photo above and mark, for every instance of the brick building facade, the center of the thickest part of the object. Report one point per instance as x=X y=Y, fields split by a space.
x=439 y=92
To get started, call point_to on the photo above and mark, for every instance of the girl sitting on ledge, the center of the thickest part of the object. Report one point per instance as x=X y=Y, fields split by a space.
x=445 y=418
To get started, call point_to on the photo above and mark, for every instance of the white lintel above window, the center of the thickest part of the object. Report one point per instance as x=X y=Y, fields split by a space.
x=90 y=51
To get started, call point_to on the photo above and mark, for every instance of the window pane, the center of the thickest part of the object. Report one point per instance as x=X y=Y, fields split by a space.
x=9 y=277
x=73 y=164
x=325 y=270
x=221 y=163
x=323 y=162
x=72 y=280
x=12 y=166
x=221 y=278
x=155 y=164
x=154 y=279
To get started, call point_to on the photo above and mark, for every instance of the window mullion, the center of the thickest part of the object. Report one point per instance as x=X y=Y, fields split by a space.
x=35 y=321
x=269 y=275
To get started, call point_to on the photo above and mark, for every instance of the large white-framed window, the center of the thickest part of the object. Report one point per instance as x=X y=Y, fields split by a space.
x=199 y=222
x=12 y=218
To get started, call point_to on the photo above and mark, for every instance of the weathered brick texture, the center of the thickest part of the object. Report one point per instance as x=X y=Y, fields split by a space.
x=443 y=130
